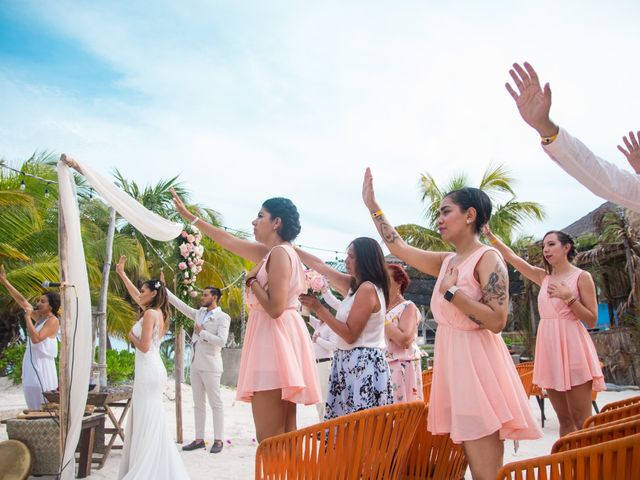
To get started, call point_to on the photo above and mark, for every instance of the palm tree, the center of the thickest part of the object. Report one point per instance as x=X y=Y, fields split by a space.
x=496 y=182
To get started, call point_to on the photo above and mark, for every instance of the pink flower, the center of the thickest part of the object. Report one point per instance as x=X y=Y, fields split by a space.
x=194 y=294
x=184 y=250
x=191 y=238
x=184 y=234
x=182 y=266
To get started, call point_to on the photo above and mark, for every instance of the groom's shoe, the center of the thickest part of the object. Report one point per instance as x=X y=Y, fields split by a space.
x=194 y=445
x=216 y=447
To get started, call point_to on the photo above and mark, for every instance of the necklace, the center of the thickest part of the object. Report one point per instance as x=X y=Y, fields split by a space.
x=396 y=302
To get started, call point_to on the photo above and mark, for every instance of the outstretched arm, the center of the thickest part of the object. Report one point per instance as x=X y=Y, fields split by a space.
x=252 y=251
x=15 y=294
x=603 y=178
x=185 y=309
x=535 y=274
x=423 y=260
x=131 y=288
x=340 y=281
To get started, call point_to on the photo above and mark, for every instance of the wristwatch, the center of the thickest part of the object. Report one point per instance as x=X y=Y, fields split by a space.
x=448 y=295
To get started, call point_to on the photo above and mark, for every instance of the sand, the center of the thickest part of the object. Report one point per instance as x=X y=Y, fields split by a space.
x=236 y=461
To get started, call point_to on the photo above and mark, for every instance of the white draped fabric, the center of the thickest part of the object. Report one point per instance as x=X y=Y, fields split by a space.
x=76 y=318
x=145 y=221
x=76 y=314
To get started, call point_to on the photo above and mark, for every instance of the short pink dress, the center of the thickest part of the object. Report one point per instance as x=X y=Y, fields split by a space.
x=565 y=354
x=404 y=363
x=476 y=389
x=277 y=352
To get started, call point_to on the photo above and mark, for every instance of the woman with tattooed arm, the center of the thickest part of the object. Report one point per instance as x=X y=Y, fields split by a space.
x=476 y=394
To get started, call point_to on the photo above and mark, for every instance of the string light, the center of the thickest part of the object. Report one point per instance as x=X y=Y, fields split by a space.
x=22 y=185
x=46 y=191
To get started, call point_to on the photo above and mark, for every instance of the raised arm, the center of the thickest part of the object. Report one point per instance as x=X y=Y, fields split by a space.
x=340 y=281
x=531 y=272
x=185 y=309
x=601 y=177
x=423 y=260
x=131 y=288
x=252 y=251
x=15 y=294
x=491 y=310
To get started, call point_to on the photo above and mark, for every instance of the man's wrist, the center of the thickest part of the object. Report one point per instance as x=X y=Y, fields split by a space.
x=547 y=129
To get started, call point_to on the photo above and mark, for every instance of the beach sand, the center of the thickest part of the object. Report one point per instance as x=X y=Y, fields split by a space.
x=236 y=461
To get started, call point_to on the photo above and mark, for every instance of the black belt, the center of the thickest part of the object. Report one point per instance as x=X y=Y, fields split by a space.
x=320 y=360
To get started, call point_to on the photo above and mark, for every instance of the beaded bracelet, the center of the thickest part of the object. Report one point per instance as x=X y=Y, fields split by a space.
x=376 y=214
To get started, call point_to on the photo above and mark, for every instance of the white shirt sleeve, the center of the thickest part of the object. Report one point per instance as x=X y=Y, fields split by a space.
x=185 y=309
x=330 y=298
x=603 y=178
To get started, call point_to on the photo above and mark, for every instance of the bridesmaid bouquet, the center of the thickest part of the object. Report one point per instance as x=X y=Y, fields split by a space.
x=189 y=260
x=314 y=283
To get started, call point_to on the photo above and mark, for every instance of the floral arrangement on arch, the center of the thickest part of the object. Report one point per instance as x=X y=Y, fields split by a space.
x=190 y=260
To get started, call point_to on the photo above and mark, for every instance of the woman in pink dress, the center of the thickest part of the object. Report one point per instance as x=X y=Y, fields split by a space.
x=566 y=362
x=400 y=334
x=476 y=395
x=277 y=367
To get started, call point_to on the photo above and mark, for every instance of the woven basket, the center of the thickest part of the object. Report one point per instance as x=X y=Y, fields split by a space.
x=42 y=438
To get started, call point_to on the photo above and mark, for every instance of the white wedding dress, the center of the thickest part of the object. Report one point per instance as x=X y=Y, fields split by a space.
x=149 y=452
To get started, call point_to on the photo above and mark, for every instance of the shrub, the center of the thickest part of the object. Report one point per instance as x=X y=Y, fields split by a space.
x=120 y=366
x=11 y=362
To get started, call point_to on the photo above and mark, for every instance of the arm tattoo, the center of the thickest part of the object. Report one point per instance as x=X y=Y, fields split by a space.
x=496 y=287
x=475 y=320
x=389 y=234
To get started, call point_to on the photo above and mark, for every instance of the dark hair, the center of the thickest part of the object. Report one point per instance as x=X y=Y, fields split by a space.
x=215 y=291
x=399 y=275
x=370 y=265
x=564 y=239
x=160 y=301
x=469 y=197
x=54 y=301
x=286 y=211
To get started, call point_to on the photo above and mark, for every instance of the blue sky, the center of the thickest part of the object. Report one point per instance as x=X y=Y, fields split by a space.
x=248 y=100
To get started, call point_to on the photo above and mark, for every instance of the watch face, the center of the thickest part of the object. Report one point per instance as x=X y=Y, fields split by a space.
x=448 y=296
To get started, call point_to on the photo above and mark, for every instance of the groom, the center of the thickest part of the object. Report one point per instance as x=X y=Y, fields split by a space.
x=210 y=334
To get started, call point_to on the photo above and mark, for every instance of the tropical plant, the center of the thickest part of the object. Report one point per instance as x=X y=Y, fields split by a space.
x=508 y=213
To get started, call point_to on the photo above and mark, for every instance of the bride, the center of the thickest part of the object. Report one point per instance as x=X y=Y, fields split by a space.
x=149 y=451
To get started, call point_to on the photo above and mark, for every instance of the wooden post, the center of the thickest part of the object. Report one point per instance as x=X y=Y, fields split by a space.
x=102 y=305
x=63 y=377
x=178 y=367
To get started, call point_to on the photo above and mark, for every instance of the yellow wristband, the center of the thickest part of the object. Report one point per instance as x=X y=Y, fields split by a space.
x=387 y=323
x=493 y=241
x=376 y=214
x=549 y=140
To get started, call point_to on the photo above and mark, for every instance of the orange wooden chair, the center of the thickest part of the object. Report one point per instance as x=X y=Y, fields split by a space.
x=620 y=403
x=369 y=444
x=595 y=435
x=611 y=415
x=615 y=459
x=427 y=377
x=434 y=457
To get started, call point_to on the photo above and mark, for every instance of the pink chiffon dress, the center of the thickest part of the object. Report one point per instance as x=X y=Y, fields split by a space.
x=565 y=354
x=277 y=352
x=476 y=389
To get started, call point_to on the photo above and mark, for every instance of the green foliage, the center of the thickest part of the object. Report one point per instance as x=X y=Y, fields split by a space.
x=11 y=362
x=120 y=366
x=508 y=213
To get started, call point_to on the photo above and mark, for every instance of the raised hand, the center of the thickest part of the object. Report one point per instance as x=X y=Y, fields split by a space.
x=162 y=277
x=70 y=162
x=180 y=207
x=368 y=195
x=120 y=265
x=632 y=152
x=3 y=274
x=486 y=231
x=533 y=102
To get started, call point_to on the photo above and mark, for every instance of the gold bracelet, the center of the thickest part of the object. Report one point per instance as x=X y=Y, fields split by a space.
x=376 y=214
x=549 y=140
x=571 y=301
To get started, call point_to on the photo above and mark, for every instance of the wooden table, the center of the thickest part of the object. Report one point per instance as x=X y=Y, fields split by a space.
x=41 y=436
x=105 y=402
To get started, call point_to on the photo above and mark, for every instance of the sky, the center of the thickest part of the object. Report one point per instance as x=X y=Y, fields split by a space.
x=250 y=100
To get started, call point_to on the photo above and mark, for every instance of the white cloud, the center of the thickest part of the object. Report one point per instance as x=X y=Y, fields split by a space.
x=296 y=99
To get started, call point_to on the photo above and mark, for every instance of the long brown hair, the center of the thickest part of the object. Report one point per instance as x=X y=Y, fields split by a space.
x=160 y=301
x=370 y=265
